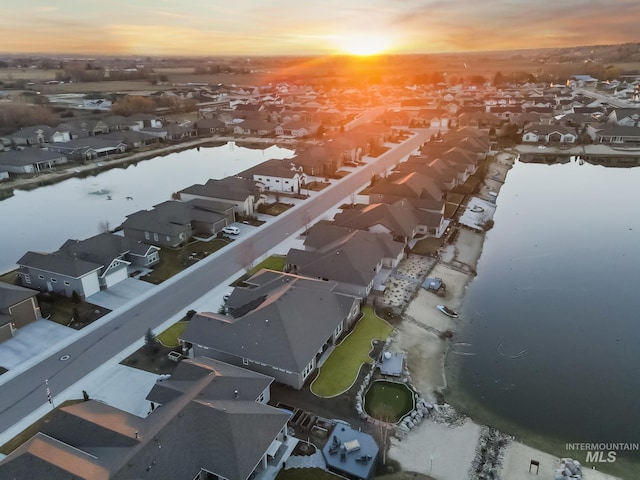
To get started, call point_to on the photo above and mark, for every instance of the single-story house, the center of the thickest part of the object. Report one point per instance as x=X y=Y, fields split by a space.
x=353 y=258
x=210 y=126
x=277 y=175
x=617 y=135
x=85 y=266
x=280 y=325
x=241 y=193
x=39 y=136
x=212 y=422
x=298 y=129
x=254 y=127
x=30 y=160
x=89 y=148
x=84 y=128
x=549 y=133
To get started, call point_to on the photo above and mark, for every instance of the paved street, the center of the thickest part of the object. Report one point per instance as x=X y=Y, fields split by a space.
x=23 y=392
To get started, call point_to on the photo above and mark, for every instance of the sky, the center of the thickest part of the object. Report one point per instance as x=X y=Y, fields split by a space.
x=310 y=27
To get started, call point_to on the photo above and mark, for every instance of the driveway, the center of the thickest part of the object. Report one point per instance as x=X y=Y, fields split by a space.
x=121 y=293
x=30 y=340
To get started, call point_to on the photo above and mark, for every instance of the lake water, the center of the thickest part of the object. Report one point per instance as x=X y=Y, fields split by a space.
x=553 y=314
x=43 y=219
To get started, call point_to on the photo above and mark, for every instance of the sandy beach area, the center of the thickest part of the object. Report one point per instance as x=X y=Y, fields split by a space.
x=441 y=450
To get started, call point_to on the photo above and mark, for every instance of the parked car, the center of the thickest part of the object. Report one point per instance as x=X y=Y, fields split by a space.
x=231 y=230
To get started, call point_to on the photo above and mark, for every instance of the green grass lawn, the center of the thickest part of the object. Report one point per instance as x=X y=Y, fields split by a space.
x=173 y=261
x=341 y=368
x=274 y=262
x=169 y=338
x=388 y=401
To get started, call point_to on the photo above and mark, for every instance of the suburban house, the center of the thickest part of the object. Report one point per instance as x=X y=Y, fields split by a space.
x=617 y=135
x=297 y=129
x=277 y=176
x=18 y=307
x=625 y=117
x=401 y=220
x=537 y=133
x=353 y=258
x=242 y=194
x=30 y=160
x=85 y=266
x=144 y=120
x=173 y=223
x=398 y=220
x=89 y=148
x=118 y=122
x=254 y=127
x=212 y=423
x=210 y=126
x=279 y=325
x=419 y=189
x=437 y=169
x=84 y=128
x=318 y=161
x=39 y=136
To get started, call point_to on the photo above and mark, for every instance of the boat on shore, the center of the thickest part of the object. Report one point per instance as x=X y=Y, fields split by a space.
x=447 y=311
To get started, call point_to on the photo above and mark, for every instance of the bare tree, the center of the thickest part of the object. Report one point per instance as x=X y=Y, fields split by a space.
x=385 y=416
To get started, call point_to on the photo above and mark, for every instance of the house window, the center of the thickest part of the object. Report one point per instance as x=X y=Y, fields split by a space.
x=41 y=277
x=169 y=238
x=53 y=280
x=155 y=237
x=27 y=278
x=67 y=284
x=245 y=361
x=146 y=235
x=277 y=181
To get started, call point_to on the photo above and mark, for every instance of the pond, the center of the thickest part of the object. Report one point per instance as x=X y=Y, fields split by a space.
x=388 y=401
x=43 y=219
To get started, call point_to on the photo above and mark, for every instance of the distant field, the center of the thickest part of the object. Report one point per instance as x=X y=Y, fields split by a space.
x=8 y=74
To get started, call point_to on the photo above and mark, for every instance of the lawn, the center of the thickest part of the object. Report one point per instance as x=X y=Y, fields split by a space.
x=61 y=309
x=428 y=246
x=169 y=338
x=388 y=401
x=274 y=262
x=341 y=368
x=9 y=277
x=174 y=261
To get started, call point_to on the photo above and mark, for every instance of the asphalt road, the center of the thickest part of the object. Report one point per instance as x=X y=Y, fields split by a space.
x=25 y=392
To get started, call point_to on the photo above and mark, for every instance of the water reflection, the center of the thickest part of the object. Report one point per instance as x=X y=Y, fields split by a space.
x=42 y=219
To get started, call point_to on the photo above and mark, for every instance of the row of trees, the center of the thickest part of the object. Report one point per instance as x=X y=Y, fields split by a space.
x=14 y=116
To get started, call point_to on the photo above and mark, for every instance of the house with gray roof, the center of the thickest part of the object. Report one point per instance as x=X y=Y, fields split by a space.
x=85 y=266
x=83 y=128
x=277 y=175
x=549 y=133
x=30 y=160
x=89 y=148
x=353 y=258
x=39 y=135
x=18 y=307
x=242 y=194
x=280 y=325
x=254 y=127
x=397 y=220
x=617 y=135
x=173 y=223
x=210 y=126
x=422 y=191
x=212 y=422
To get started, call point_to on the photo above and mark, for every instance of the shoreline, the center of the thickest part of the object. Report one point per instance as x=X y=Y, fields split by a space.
x=420 y=334
x=74 y=169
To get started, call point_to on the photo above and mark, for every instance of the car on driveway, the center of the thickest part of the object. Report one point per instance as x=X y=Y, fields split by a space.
x=231 y=230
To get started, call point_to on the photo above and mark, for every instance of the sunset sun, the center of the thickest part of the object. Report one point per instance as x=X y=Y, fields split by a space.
x=363 y=44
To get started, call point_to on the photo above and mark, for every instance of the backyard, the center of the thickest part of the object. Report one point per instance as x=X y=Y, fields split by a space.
x=341 y=368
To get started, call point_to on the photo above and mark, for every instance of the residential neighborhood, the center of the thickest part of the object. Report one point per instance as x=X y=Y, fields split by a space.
x=270 y=309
